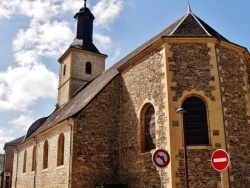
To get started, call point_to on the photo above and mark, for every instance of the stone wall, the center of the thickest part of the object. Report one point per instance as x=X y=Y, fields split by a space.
x=79 y=60
x=191 y=66
x=95 y=143
x=236 y=102
x=111 y=122
x=75 y=75
x=142 y=82
x=54 y=176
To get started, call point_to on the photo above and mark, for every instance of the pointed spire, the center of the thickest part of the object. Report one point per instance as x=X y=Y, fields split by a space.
x=189 y=7
x=85 y=3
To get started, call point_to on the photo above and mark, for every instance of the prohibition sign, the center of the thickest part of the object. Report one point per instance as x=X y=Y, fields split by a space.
x=220 y=160
x=161 y=158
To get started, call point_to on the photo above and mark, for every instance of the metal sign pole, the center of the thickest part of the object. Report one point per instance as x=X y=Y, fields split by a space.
x=221 y=178
x=161 y=179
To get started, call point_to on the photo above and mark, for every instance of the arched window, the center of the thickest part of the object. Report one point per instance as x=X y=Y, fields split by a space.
x=195 y=121
x=33 y=168
x=88 y=68
x=148 y=128
x=60 y=150
x=24 y=161
x=64 y=69
x=45 y=154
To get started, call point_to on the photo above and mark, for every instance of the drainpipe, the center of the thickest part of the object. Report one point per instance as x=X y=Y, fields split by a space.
x=70 y=153
x=222 y=103
x=16 y=165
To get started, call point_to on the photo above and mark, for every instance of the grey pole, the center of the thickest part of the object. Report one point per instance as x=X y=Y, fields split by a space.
x=182 y=111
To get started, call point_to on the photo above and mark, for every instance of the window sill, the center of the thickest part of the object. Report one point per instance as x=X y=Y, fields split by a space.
x=147 y=152
x=60 y=167
x=199 y=147
x=45 y=170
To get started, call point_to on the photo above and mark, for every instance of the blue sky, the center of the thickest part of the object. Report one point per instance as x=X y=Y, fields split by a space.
x=35 y=33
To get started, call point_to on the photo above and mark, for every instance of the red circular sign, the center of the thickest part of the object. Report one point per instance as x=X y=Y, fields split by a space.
x=220 y=160
x=161 y=158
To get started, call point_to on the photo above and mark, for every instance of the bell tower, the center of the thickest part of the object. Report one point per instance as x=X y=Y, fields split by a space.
x=82 y=62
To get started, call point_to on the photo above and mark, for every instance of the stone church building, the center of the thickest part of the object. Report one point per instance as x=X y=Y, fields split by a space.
x=108 y=123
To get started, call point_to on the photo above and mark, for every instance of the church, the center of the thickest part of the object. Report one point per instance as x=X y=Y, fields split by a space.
x=186 y=90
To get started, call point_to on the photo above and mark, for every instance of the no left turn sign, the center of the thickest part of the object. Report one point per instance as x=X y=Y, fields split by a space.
x=161 y=158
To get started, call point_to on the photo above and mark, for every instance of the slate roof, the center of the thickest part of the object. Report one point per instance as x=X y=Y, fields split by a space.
x=187 y=26
x=84 y=45
x=14 y=142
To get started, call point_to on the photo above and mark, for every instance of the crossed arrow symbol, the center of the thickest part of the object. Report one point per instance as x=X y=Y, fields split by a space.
x=161 y=157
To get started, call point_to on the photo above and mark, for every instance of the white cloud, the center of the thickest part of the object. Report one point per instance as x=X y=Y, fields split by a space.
x=104 y=42
x=23 y=122
x=7 y=8
x=116 y=54
x=73 y=5
x=21 y=86
x=24 y=85
x=5 y=136
x=40 y=10
x=37 y=9
x=107 y=11
x=42 y=40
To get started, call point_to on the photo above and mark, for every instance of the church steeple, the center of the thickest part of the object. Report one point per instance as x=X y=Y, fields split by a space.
x=84 y=30
x=82 y=62
x=84 y=20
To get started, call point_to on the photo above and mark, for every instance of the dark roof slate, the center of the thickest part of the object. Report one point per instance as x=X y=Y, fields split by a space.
x=189 y=26
x=84 y=45
x=186 y=26
x=35 y=126
x=192 y=25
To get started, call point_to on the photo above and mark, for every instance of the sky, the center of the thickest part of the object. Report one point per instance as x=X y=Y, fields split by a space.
x=35 y=33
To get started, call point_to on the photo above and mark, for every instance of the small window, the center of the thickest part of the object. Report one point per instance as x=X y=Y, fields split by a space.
x=64 y=69
x=148 y=128
x=24 y=161
x=33 y=168
x=88 y=68
x=195 y=121
x=45 y=154
x=60 y=150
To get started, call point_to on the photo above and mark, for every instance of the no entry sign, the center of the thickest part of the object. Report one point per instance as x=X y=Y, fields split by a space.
x=161 y=158
x=220 y=160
